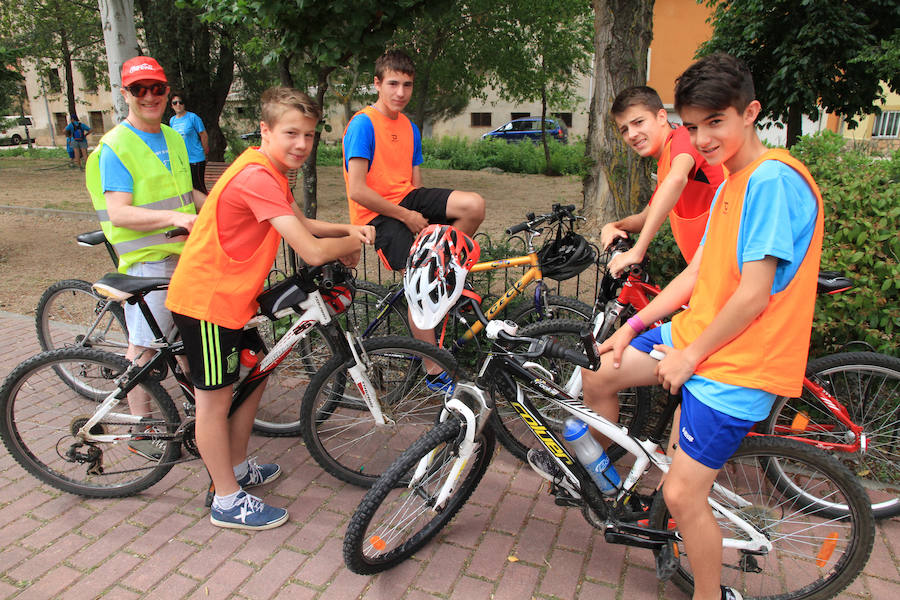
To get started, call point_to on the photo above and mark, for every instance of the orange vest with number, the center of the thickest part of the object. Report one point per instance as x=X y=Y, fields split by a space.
x=210 y=285
x=689 y=215
x=770 y=354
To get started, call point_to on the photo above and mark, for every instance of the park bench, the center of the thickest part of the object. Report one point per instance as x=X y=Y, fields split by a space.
x=214 y=170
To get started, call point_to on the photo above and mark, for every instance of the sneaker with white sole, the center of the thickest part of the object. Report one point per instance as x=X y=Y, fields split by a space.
x=258 y=474
x=149 y=448
x=729 y=593
x=248 y=512
x=440 y=382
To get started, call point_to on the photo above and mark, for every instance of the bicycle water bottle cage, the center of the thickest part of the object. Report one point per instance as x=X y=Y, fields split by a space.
x=284 y=294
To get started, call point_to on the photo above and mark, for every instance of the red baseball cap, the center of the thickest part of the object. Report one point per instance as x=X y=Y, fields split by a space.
x=141 y=68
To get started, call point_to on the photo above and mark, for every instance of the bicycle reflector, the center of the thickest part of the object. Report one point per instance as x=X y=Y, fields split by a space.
x=826 y=549
x=800 y=422
x=378 y=543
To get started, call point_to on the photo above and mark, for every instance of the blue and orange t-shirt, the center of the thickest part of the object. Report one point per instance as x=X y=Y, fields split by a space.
x=392 y=147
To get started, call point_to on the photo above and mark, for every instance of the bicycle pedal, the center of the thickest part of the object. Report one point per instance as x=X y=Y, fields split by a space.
x=666 y=561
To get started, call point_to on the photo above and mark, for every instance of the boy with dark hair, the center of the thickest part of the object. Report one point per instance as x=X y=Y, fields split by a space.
x=382 y=154
x=750 y=289
x=685 y=182
x=213 y=293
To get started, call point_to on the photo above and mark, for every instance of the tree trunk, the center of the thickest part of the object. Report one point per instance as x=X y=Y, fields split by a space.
x=547 y=170
x=618 y=183
x=794 y=125
x=284 y=70
x=66 y=54
x=117 y=17
x=310 y=175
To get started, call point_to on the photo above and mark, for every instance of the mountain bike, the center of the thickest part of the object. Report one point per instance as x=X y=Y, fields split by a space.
x=80 y=441
x=848 y=405
x=776 y=543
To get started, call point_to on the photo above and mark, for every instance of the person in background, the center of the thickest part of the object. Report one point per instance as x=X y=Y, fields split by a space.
x=191 y=128
x=77 y=131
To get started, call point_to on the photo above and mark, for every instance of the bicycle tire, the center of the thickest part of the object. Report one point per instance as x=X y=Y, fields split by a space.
x=515 y=435
x=800 y=534
x=338 y=428
x=390 y=502
x=65 y=313
x=279 y=407
x=556 y=307
x=868 y=385
x=40 y=414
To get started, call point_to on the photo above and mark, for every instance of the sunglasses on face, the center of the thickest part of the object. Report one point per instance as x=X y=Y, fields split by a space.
x=139 y=91
x=174 y=102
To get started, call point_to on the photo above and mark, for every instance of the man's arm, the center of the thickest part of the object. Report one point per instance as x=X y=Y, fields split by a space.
x=746 y=303
x=361 y=193
x=204 y=141
x=199 y=198
x=664 y=199
x=122 y=213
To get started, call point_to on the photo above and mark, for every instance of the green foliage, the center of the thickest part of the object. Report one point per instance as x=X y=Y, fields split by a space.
x=861 y=193
x=862 y=209
x=34 y=152
x=523 y=157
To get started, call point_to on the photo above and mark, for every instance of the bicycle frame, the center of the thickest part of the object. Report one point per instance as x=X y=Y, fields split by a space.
x=646 y=453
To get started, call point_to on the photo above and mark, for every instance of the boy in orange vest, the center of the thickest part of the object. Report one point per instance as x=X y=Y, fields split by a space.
x=213 y=293
x=685 y=185
x=751 y=288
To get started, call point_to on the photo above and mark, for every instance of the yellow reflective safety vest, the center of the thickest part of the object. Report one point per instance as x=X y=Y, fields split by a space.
x=155 y=188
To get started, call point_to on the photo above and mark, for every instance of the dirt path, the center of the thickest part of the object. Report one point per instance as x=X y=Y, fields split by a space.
x=38 y=249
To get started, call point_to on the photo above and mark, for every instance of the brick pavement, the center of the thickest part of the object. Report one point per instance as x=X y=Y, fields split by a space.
x=161 y=544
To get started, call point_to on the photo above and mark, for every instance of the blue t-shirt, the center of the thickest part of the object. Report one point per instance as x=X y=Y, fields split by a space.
x=778 y=219
x=114 y=176
x=190 y=126
x=359 y=141
x=77 y=133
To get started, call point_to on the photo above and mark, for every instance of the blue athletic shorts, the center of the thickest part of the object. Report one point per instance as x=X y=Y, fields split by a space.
x=707 y=435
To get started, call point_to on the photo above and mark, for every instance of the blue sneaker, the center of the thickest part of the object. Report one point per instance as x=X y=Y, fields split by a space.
x=440 y=383
x=259 y=474
x=248 y=512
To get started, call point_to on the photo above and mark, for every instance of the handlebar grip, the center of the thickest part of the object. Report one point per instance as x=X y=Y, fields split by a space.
x=590 y=347
x=517 y=228
x=554 y=350
x=327 y=276
x=177 y=232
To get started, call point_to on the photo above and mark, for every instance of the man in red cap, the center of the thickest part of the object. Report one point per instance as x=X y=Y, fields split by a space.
x=139 y=179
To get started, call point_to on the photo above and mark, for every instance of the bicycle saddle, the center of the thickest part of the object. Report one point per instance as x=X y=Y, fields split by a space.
x=119 y=286
x=91 y=238
x=832 y=282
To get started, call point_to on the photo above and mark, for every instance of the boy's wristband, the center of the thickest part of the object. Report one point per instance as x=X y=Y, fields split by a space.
x=636 y=324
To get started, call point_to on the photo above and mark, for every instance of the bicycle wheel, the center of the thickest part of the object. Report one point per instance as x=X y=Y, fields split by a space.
x=868 y=385
x=69 y=314
x=557 y=307
x=393 y=521
x=366 y=306
x=40 y=416
x=514 y=433
x=813 y=556
x=338 y=428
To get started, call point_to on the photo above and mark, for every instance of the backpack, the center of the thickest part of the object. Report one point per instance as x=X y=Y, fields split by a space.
x=77 y=131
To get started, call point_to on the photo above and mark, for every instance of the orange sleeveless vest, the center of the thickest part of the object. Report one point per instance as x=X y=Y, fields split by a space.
x=390 y=170
x=689 y=215
x=771 y=353
x=210 y=285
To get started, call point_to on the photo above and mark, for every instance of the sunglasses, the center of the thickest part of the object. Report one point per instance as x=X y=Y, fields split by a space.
x=139 y=91
x=174 y=102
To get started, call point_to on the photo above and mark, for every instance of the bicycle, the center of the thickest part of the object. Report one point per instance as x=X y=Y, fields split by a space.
x=776 y=544
x=79 y=442
x=859 y=424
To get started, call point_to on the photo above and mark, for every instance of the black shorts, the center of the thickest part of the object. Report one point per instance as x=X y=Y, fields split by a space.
x=198 y=174
x=213 y=352
x=393 y=239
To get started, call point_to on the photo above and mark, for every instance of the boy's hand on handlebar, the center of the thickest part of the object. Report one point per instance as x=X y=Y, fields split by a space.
x=616 y=343
x=674 y=369
x=609 y=233
x=364 y=233
x=621 y=261
x=186 y=220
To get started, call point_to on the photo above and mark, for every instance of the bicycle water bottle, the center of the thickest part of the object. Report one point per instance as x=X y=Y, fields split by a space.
x=248 y=359
x=590 y=453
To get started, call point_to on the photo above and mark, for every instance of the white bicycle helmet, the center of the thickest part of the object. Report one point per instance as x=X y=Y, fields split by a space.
x=435 y=273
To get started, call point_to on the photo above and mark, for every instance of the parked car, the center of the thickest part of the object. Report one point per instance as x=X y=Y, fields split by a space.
x=253 y=135
x=529 y=128
x=12 y=129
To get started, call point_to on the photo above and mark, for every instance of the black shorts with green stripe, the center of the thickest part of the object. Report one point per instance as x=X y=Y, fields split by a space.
x=213 y=352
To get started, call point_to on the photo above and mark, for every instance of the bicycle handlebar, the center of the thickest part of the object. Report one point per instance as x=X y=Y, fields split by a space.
x=550 y=349
x=177 y=232
x=558 y=213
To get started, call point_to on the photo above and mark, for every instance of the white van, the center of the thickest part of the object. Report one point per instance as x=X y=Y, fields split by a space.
x=12 y=129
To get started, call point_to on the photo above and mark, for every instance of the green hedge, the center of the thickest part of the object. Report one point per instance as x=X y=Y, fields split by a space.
x=861 y=192
x=466 y=155
x=35 y=152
